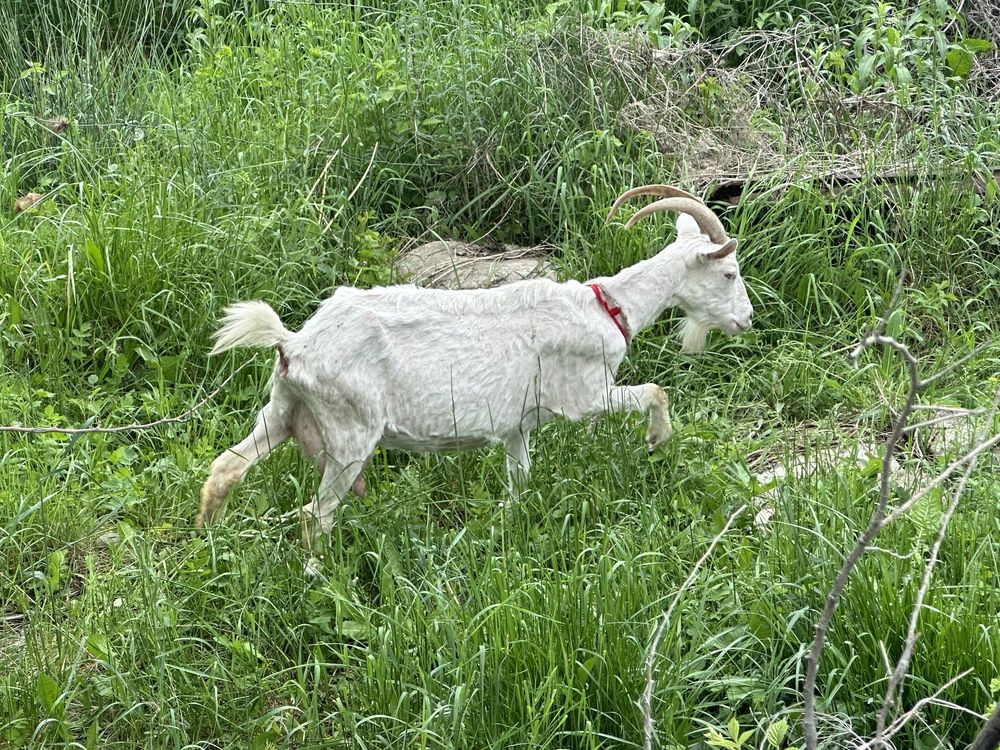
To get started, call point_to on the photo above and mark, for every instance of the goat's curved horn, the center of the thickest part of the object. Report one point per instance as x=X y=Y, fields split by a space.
x=708 y=222
x=664 y=191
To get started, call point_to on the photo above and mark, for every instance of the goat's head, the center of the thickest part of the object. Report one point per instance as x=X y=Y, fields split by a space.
x=711 y=291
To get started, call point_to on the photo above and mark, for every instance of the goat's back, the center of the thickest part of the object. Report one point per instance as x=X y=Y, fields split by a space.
x=466 y=364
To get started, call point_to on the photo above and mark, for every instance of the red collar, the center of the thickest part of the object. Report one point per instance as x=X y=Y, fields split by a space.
x=613 y=311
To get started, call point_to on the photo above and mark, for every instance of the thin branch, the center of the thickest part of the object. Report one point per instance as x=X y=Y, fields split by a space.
x=954 y=414
x=646 y=701
x=357 y=187
x=903 y=665
x=365 y=175
x=833 y=598
x=958 y=362
x=953 y=707
x=957 y=410
x=906 y=718
x=183 y=417
x=879 y=520
x=889 y=341
x=955 y=17
x=939 y=480
x=326 y=167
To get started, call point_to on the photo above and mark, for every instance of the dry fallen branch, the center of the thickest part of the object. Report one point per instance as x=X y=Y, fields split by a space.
x=182 y=417
x=726 y=117
x=833 y=598
x=837 y=181
x=954 y=466
x=646 y=701
x=914 y=712
x=950 y=416
x=357 y=187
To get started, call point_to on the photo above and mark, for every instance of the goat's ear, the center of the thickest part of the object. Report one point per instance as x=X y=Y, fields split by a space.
x=728 y=249
x=687 y=226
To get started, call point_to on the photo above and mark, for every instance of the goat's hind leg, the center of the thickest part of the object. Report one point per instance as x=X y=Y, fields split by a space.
x=307 y=434
x=347 y=446
x=318 y=515
x=518 y=462
x=648 y=398
x=230 y=467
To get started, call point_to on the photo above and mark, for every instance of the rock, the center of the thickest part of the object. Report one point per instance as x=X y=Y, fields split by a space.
x=822 y=456
x=12 y=632
x=447 y=264
x=108 y=539
x=763 y=518
x=952 y=432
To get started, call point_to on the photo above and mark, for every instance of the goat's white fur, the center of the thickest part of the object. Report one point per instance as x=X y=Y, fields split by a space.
x=426 y=370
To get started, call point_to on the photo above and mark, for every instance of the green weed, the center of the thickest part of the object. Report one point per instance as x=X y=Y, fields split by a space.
x=214 y=152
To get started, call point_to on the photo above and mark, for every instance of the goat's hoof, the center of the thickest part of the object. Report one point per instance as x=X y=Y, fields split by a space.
x=313 y=568
x=207 y=517
x=657 y=435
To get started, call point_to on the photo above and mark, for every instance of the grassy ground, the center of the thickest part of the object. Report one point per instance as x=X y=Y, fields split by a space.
x=219 y=154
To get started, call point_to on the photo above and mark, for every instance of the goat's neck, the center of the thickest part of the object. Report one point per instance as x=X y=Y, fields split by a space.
x=647 y=288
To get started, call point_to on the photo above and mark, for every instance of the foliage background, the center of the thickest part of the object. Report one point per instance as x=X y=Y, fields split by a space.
x=207 y=155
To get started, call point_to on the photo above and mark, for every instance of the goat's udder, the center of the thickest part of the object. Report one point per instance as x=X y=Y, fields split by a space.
x=359 y=484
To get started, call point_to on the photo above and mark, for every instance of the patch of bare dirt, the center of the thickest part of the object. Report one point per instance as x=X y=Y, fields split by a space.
x=939 y=432
x=447 y=264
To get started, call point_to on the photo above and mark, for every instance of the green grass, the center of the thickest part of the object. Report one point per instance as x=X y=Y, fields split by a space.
x=211 y=160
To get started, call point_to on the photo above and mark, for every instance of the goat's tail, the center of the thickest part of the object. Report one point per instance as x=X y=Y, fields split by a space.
x=249 y=324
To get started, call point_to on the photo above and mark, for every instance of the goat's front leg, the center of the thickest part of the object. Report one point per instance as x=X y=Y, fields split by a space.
x=648 y=398
x=518 y=462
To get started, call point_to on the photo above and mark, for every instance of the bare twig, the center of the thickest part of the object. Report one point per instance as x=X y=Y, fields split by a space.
x=365 y=175
x=939 y=480
x=906 y=718
x=646 y=701
x=903 y=665
x=953 y=409
x=183 y=417
x=953 y=414
x=833 y=598
x=880 y=519
x=959 y=362
x=951 y=706
x=322 y=176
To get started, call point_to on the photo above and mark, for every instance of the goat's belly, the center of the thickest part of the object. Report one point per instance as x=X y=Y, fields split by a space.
x=436 y=409
x=431 y=443
x=439 y=425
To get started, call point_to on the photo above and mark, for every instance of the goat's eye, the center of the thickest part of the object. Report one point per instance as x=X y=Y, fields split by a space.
x=730 y=275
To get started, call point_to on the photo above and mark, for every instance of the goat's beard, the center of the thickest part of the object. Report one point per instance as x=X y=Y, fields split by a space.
x=694 y=336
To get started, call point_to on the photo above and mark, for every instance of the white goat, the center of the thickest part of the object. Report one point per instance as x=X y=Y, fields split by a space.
x=428 y=370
